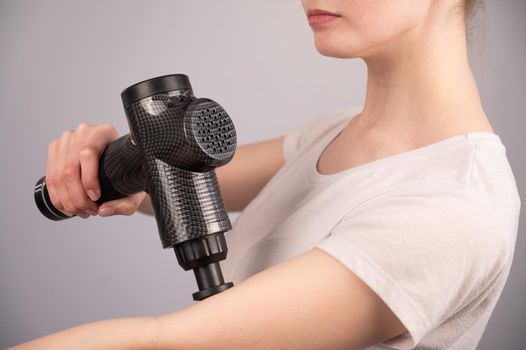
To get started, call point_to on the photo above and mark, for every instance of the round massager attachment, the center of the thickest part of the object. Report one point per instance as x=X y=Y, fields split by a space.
x=212 y=129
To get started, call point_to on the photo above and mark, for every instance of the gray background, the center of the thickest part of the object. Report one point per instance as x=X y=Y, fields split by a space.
x=66 y=62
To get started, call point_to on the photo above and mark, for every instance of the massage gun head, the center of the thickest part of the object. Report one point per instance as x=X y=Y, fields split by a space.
x=210 y=132
x=169 y=124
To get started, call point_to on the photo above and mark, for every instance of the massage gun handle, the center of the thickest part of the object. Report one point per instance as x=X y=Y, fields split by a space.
x=118 y=167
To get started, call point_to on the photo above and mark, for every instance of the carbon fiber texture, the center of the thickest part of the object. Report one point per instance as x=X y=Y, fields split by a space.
x=175 y=143
x=192 y=134
x=123 y=165
x=187 y=204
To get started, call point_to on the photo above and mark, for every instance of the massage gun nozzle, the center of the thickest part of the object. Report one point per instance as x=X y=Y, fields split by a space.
x=210 y=281
x=202 y=255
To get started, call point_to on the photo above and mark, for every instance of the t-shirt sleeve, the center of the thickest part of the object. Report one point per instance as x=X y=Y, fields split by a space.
x=425 y=254
x=292 y=143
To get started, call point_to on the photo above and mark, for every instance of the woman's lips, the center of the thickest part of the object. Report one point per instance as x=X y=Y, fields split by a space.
x=317 y=16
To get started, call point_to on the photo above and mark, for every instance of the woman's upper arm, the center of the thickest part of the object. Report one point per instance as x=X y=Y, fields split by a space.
x=252 y=166
x=309 y=302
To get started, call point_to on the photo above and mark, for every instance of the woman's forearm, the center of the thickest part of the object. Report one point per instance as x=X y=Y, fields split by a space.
x=122 y=333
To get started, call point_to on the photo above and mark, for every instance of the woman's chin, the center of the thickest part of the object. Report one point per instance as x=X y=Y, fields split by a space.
x=336 y=51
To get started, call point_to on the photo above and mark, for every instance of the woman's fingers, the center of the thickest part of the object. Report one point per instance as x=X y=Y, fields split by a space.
x=72 y=176
x=124 y=206
x=66 y=178
x=89 y=170
x=76 y=191
x=89 y=156
x=62 y=198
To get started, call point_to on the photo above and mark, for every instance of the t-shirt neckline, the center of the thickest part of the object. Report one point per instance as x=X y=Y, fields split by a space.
x=317 y=177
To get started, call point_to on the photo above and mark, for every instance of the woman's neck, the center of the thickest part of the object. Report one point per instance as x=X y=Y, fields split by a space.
x=423 y=85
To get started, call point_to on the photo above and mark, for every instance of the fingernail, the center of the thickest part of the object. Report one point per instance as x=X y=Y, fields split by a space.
x=108 y=211
x=92 y=212
x=93 y=195
x=83 y=215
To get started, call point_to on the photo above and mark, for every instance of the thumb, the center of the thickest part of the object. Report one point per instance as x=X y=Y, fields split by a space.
x=123 y=206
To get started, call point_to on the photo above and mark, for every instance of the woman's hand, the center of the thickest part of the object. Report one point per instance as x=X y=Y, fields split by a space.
x=72 y=173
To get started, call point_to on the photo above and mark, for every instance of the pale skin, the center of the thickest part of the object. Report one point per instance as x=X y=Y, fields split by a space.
x=420 y=89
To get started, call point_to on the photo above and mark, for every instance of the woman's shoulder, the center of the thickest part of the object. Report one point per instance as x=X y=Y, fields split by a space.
x=321 y=125
x=314 y=130
x=466 y=180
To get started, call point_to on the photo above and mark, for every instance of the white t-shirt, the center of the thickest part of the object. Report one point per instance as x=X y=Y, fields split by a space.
x=432 y=231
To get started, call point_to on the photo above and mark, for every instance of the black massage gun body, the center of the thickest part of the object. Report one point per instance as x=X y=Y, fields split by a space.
x=175 y=143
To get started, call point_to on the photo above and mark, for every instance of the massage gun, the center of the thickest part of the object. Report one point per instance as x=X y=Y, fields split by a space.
x=175 y=142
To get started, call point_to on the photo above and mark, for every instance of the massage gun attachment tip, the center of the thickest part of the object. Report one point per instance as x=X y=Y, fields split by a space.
x=210 y=281
x=203 y=255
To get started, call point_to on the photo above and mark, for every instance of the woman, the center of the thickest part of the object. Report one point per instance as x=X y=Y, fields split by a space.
x=391 y=225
